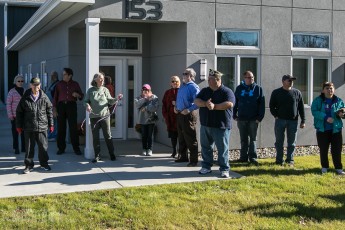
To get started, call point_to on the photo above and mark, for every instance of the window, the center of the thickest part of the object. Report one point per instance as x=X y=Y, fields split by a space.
x=310 y=41
x=234 y=67
x=241 y=39
x=44 y=76
x=310 y=73
x=124 y=43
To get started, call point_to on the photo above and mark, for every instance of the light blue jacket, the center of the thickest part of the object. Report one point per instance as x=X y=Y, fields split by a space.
x=319 y=114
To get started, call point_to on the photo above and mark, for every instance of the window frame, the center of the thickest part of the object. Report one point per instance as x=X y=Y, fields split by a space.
x=311 y=49
x=238 y=74
x=310 y=75
x=135 y=35
x=238 y=47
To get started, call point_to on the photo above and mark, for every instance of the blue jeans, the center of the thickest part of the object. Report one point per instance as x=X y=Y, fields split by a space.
x=248 y=131
x=291 y=134
x=219 y=137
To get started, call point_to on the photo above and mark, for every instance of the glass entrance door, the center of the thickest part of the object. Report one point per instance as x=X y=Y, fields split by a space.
x=125 y=74
x=112 y=69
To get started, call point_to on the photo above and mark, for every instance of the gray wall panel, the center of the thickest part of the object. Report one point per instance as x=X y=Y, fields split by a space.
x=241 y=2
x=308 y=20
x=338 y=33
x=315 y=4
x=287 y=3
x=276 y=31
x=238 y=16
x=338 y=4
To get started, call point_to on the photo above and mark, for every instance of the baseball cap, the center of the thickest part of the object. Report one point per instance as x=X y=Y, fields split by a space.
x=215 y=73
x=288 y=77
x=146 y=86
x=35 y=81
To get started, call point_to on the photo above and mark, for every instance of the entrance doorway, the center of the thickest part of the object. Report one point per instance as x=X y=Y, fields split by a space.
x=125 y=74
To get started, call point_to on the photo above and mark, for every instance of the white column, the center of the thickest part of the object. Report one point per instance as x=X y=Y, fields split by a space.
x=92 y=67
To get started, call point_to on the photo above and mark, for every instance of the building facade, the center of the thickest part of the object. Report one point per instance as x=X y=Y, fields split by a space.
x=140 y=41
x=13 y=16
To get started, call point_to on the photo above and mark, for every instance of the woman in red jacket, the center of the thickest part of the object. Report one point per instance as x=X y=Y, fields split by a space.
x=168 y=101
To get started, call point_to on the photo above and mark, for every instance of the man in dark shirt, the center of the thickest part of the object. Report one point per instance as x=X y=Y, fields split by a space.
x=215 y=103
x=286 y=104
x=66 y=94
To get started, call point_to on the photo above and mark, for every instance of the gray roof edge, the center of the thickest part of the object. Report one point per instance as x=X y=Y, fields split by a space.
x=40 y=14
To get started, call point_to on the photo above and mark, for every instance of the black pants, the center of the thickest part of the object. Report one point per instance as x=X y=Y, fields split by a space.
x=15 y=137
x=67 y=111
x=105 y=126
x=147 y=135
x=187 y=136
x=31 y=138
x=324 y=139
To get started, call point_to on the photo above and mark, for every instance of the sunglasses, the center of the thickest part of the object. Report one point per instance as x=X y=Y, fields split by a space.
x=185 y=74
x=174 y=81
x=20 y=81
x=289 y=80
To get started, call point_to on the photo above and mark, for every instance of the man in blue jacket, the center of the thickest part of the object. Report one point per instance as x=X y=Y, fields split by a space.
x=249 y=111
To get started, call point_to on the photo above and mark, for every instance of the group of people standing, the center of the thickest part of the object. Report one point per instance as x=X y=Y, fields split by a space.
x=218 y=106
x=32 y=114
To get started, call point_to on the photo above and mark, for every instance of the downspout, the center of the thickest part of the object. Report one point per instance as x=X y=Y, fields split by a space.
x=5 y=53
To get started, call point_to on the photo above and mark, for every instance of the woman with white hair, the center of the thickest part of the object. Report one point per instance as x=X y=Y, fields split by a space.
x=96 y=102
x=12 y=101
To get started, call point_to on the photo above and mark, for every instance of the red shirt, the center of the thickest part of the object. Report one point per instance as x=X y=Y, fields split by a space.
x=64 y=90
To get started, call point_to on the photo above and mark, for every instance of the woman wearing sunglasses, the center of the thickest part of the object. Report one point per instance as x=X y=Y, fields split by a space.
x=169 y=102
x=12 y=101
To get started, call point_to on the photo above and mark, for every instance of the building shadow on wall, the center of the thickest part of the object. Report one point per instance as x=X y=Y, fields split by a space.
x=338 y=76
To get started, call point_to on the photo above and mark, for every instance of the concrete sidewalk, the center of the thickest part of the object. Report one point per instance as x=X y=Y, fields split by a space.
x=72 y=173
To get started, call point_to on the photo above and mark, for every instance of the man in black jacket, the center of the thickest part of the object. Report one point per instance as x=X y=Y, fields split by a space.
x=286 y=104
x=34 y=115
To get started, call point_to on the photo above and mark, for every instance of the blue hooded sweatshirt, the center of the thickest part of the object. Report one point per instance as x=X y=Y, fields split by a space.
x=250 y=102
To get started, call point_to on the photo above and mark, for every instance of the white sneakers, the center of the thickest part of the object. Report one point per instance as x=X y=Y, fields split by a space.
x=224 y=174
x=204 y=171
x=146 y=152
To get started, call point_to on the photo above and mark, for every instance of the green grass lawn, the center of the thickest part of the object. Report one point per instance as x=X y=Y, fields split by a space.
x=269 y=197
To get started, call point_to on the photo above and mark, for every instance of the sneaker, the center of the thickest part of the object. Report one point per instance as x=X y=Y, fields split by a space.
x=224 y=174
x=96 y=159
x=113 y=157
x=323 y=170
x=28 y=169
x=340 y=172
x=149 y=152
x=291 y=164
x=204 y=171
x=46 y=168
x=144 y=152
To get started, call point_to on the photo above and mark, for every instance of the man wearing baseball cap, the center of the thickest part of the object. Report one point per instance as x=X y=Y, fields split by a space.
x=34 y=115
x=286 y=104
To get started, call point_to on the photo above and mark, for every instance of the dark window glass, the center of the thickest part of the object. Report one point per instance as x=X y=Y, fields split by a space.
x=310 y=41
x=228 y=38
x=118 y=43
x=226 y=65
x=300 y=71
x=320 y=75
x=249 y=64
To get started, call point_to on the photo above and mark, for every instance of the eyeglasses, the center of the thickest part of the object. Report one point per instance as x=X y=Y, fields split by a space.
x=185 y=74
x=20 y=81
x=249 y=77
x=174 y=81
